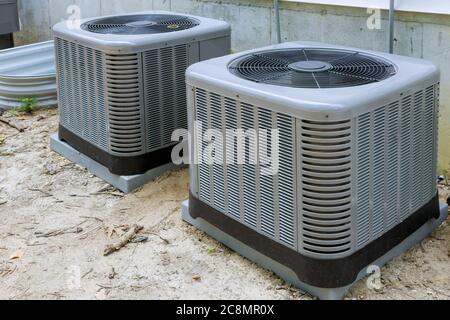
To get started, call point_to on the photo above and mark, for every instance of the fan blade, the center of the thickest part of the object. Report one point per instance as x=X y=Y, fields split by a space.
x=140 y=24
x=345 y=68
x=106 y=25
x=328 y=56
x=167 y=28
x=370 y=72
x=259 y=74
x=112 y=30
x=269 y=59
x=303 y=80
x=343 y=58
x=278 y=76
x=343 y=79
x=174 y=21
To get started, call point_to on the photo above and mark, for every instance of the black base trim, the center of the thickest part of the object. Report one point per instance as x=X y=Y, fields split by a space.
x=331 y=274
x=122 y=166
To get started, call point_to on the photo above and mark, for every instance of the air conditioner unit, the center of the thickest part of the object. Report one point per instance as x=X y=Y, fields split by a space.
x=121 y=83
x=356 y=144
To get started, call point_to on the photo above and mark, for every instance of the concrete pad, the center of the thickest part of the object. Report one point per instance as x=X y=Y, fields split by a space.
x=288 y=275
x=125 y=184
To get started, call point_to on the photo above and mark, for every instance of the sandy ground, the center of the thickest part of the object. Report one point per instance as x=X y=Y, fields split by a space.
x=56 y=219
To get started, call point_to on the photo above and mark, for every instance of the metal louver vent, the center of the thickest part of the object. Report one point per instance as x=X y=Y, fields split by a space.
x=395 y=163
x=82 y=105
x=164 y=93
x=326 y=180
x=265 y=203
x=140 y=24
x=124 y=101
x=312 y=68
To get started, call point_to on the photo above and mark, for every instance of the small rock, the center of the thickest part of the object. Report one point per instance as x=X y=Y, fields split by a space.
x=279 y=288
x=18 y=254
x=197 y=278
x=112 y=274
x=139 y=239
x=51 y=168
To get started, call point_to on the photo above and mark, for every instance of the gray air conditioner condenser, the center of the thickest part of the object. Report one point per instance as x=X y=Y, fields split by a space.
x=121 y=83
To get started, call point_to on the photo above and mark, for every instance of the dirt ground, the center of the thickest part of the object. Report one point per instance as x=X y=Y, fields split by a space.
x=56 y=219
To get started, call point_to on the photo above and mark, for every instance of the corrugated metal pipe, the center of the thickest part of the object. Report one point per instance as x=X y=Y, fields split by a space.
x=28 y=72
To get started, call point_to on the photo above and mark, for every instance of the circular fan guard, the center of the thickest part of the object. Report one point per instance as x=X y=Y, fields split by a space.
x=140 y=24
x=312 y=68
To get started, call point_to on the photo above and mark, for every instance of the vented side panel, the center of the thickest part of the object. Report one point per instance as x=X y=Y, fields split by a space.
x=202 y=116
x=249 y=171
x=326 y=179
x=429 y=160
x=232 y=167
x=165 y=94
x=363 y=219
x=266 y=181
x=436 y=115
x=81 y=91
x=405 y=164
x=287 y=183
x=217 y=168
x=395 y=163
x=357 y=178
x=378 y=173
x=392 y=187
x=124 y=104
x=243 y=189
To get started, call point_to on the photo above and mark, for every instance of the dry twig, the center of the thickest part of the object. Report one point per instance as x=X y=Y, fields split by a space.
x=12 y=124
x=45 y=193
x=55 y=233
x=160 y=237
x=123 y=241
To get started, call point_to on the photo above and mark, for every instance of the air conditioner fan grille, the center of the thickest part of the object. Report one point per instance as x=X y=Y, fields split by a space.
x=312 y=68
x=140 y=24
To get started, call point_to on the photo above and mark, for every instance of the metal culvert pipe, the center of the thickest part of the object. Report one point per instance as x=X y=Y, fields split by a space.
x=28 y=71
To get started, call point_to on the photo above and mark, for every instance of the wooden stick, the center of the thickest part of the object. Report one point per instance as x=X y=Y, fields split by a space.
x=11 y=124
x=55 y=233
x=123 y=241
